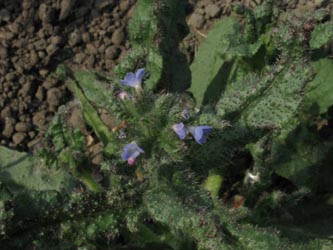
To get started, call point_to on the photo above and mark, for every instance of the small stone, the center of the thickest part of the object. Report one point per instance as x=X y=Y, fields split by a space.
x=32 y=134
x=101 y=4
x=86 y=37
x=8 y=129
x=108 y=118
x=90 y=61
x=6 y=112
x=43 y=72
x=74 y=38
x=22 y=127
x=124 y=5
x=213 y=10
x=56 y=40
x=101 y=49
x=112 y=52
x=26 y=4
x=39 y=119
x=40 y=94
x=45 y=13
x=98 y=159
x=96 y=152
x=76 y=119
x=40 y=44
x=106 y=24
x=196 y=20
x=35 y=144
x=51 y=49
x=118 y=37
x=18 y=138
x=3 y=52
x=79 y=58
x=41 y=54
x=10 y=77
x=33 y=58
x=26 y=89
x=53 y=97
x=4 y=15
x=49 y=83
x=91 y=49
x=65 y=8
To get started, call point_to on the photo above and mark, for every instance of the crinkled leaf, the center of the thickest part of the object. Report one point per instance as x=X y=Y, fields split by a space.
x=23 y=171
x=207 y=66
x=321 y=35
x=319 y=93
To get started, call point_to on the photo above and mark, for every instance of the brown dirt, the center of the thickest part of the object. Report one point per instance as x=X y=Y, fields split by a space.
x=34 y=38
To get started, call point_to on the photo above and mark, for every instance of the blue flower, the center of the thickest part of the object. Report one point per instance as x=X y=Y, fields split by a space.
x=180 y=130
x=133 y=80
x=199 y=133
x=131 y=152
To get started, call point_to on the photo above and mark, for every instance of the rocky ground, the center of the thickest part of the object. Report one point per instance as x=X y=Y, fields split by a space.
x=35 y=36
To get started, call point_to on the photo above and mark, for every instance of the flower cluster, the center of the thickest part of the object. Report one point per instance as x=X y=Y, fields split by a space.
x=199 y=132
x=131 y=151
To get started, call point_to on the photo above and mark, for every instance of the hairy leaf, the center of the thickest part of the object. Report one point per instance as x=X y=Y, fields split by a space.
x=319 y=93
x=321 y=35
x=22 y=171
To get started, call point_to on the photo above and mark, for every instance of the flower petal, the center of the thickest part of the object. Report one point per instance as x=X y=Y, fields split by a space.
x=131 y=151
x=180 y=130
x=199 y=133
x=130 y=80
x=139 y=74
x=125 y=155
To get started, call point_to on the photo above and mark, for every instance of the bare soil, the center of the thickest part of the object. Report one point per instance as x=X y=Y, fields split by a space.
x=35 y=36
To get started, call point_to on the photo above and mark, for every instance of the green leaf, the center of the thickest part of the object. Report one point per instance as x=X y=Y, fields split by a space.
x=302 y=157
x=91 y=85
x=143 y=25
x=279 y=99
x=321 y=35
x=90 y=114
x=319 y=92
x=207 y=72
x=23 y=171
x=213 y=183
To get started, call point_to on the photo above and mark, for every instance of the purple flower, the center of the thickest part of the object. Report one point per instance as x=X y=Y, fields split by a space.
x=180 y=130
x=199 y=133
x=131 y=152
x=133 y=80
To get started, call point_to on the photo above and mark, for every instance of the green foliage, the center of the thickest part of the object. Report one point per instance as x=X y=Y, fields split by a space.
x=21 y=171
x=236 y=46
x=257 y=88
x=89 y=112
x=321 y=35
x=213 y=183
x=319 y=93
x=208 y=75
x=300 y=155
